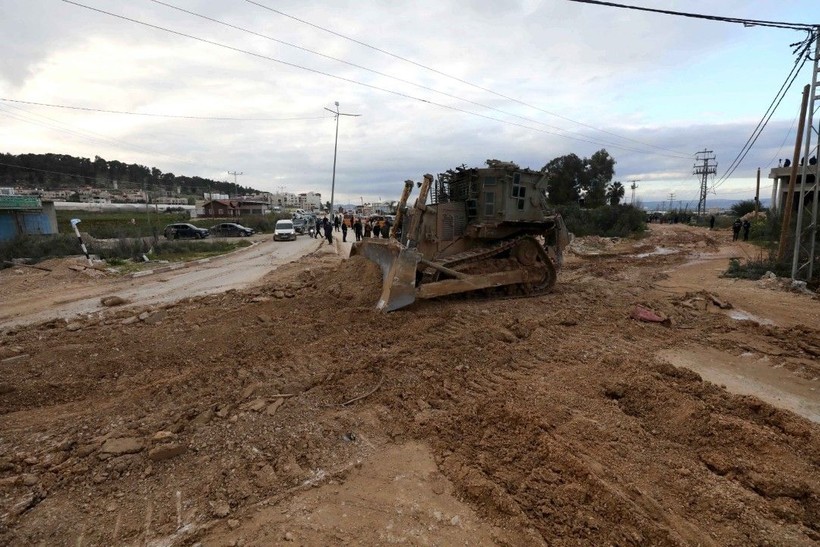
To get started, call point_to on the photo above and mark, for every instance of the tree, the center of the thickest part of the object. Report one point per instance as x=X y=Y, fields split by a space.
x=615 y=193
x=743 y=207
x=564 y=179
x=570 y=177
x=598 y=170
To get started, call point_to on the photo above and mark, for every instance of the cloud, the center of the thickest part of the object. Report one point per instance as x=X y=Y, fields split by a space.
x=549 y=64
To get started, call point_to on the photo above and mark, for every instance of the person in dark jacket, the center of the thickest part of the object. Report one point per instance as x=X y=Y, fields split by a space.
x=357 y=229
x=344 y=232
x=736 y=225
x=328 y=230
x=746 y=226
x=318 y=228
x=712 y=222
x=377 y=229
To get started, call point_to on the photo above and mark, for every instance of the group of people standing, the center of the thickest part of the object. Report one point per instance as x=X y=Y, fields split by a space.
x=370 y=229
x=739 y=225
x=360 y=229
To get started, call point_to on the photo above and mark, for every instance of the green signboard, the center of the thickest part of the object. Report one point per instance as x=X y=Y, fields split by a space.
x=20 y=202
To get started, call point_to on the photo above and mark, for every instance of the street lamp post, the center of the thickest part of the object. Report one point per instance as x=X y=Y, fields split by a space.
x=335 y=148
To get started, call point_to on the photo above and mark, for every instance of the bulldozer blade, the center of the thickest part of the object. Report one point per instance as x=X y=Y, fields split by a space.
x=398 y=265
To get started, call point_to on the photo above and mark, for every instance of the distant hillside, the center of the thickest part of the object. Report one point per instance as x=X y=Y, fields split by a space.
x=717 y=203
x=60 y=171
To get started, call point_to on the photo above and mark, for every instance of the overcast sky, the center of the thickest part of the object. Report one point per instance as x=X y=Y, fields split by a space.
x=523 y=81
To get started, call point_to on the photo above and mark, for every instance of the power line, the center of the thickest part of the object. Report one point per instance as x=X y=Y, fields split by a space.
x=803 y=49
x=215 y=118
x=385 y=75
x=455 y=78
x=744 y=22
x=349 y=80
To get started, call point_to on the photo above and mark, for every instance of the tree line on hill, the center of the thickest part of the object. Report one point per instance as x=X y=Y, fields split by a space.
x=59 y=171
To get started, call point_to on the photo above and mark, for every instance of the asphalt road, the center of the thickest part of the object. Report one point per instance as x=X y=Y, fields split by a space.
x=236 y=270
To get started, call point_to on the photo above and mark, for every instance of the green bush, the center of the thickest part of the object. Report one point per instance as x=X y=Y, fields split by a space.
x=39 y=247
x=756 y=268
x=606 y=221
x=116 y=225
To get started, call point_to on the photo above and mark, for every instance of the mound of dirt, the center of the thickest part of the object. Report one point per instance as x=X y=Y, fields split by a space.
x=552 y=417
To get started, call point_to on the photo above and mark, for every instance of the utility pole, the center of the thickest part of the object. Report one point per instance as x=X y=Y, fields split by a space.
x=633 y=187
x=805 y=232
x=234 y=173
x=757 y=193
x=335 y=148
x=788 y=204
x=704 y=170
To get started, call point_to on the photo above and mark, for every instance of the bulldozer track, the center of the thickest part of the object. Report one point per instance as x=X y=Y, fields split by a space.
x=476 y=256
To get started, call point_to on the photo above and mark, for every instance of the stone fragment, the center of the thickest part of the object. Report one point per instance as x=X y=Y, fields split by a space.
x=143 y=316
x=123 y=445
x=233 y=524
x=278 y=294
x=220 y=509
x=160 y=436
x=204 y=417
x=156 y=317
x=74 y=326
x=113 y=301
x=257 y=404
x=274 y=406
x=129 y=320
x=166 y=451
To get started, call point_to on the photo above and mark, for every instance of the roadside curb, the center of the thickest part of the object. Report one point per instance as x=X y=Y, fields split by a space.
x=179 y=265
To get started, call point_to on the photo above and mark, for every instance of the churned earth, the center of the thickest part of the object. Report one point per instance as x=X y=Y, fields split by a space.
x=292 y=413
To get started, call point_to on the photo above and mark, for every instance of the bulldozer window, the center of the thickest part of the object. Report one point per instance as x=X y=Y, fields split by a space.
x=519 y=191
x=489 y=204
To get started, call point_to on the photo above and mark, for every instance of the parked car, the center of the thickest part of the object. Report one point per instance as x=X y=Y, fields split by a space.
x=228 y=229
x=283 y=231
x=300 y=225
x=181 y=230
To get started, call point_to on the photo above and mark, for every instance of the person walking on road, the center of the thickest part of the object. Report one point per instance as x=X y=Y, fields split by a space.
x=344 y=232
x=336 y=222
x=318 y=228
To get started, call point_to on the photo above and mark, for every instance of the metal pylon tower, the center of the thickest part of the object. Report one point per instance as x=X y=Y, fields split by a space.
x=805 y=232
x=704 y=169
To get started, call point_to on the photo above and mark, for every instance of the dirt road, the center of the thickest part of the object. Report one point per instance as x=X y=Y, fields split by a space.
x=291 y=413
x=32 y=295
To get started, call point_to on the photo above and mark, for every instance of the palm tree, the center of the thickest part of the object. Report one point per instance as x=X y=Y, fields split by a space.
x=615 y=193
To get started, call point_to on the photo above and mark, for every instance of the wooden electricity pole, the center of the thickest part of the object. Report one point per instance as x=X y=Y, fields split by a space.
x=789 y=202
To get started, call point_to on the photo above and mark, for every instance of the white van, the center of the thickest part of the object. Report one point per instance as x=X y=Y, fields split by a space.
x=283 y=231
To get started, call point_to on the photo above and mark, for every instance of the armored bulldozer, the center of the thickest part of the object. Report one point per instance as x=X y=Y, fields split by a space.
x=484 y=230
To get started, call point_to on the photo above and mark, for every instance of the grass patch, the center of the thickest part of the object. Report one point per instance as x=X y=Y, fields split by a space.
x=35 y=249
x=756 y=268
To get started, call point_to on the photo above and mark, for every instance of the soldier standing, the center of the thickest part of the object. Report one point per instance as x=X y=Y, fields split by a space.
x=746 y=226
x=357 y=229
